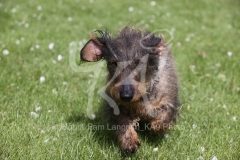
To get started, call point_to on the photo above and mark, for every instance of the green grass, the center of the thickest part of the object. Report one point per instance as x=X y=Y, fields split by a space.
x=204 y=32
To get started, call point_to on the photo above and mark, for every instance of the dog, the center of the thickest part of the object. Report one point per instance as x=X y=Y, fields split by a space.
x=142 y=82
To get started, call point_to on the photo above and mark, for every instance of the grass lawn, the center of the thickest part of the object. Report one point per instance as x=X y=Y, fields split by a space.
x=44 y=111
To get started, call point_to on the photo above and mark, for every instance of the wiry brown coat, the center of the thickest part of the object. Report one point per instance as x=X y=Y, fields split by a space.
x=141 y=64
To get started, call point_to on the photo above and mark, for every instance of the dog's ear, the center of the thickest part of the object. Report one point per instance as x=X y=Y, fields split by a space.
x=161 y=46
x=153 y=43
x=91 y=52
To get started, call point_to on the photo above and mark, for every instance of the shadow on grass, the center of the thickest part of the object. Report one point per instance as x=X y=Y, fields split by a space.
x=104 y=136
x=98 y=126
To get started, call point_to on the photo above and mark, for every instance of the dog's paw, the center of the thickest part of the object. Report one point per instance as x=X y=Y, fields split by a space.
x=131 y=145
x=129 y=142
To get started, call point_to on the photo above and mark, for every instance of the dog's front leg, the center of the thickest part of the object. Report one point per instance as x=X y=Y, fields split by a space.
x=127 y=136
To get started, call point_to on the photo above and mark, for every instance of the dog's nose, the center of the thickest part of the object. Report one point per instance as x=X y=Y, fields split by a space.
x=126 y=93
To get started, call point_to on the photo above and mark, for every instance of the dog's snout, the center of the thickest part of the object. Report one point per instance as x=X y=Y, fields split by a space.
x=126 y=93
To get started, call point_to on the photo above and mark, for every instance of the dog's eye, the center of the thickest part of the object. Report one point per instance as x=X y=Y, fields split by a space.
x=153 y=63
x=137 y=61
x=112 y=64
x=153 y=60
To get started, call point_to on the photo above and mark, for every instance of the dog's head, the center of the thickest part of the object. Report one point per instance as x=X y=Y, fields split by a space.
x=133 y=60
